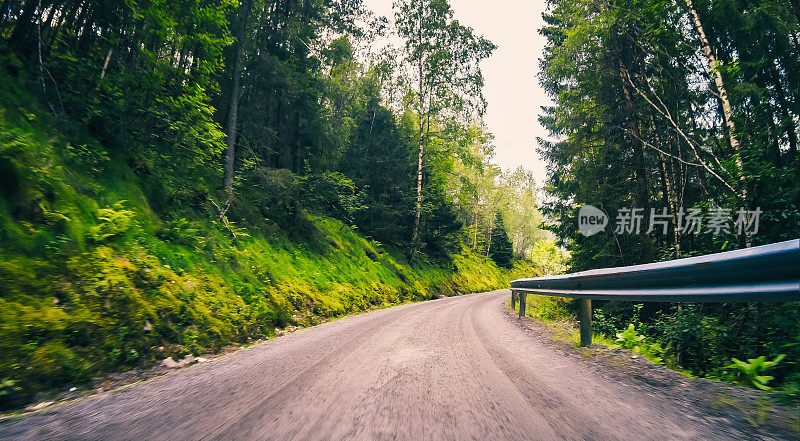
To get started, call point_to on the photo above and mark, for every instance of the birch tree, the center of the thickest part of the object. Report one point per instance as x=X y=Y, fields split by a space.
x=446 y=79
x=714 y=69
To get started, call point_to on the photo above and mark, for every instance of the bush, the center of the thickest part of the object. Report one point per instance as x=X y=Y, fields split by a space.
x=629 y=339
x=332 y=194
x=54 y=364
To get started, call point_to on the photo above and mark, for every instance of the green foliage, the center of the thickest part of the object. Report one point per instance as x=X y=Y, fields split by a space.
x=117 y=248
x=516 y=201
x=629 y=339
x=11 y=393
x=443 y=84
x=445 y=55
x=380 y=164
x=630 y=116
x=440 y=229
x=334 y=195
x=549 y=309
x=703 y=338
x=754 y=367
x=8 y=387
x=548 y=257
x=83 y=274
x=54 y=364
x=501 y=250
x=112 y=221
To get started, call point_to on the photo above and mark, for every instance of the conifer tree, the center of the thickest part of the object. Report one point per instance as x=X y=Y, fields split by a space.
x=500 y=249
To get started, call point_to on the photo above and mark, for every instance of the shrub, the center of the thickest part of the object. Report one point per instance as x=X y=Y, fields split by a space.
x=629 y=339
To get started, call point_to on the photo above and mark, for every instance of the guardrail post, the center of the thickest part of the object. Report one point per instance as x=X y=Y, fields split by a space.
x=522 y=297
x=513 y=299
x=585 y=317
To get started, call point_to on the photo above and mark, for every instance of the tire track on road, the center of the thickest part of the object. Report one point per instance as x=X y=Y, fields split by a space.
x=291 y=389
x=566 y=420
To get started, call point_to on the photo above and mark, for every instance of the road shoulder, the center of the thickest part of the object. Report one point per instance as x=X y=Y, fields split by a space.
x=751 y=410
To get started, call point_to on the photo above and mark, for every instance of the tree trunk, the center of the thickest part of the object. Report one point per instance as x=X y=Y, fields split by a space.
x=491 y=230
x=418 y=204
x=105 y=63
x=233 y=106
x=787 y=120
x=475 y=233
x=713 y=67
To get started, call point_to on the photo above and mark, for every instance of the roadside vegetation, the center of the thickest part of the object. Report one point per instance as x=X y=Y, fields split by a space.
x=677 y=105
x=95 y=281
x=187 y=175
x=178 y=177
x=560 y=314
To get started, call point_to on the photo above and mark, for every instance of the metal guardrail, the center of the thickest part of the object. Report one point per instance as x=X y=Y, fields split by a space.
x=768 y=273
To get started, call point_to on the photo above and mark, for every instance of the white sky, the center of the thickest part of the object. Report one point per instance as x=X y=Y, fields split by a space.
x=511 y=87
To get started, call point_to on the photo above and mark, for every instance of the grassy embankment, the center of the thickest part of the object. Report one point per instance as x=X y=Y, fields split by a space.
x=93 y=280
x=560 y=314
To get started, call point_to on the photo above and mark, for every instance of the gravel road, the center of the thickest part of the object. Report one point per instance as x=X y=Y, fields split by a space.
x=455 y=368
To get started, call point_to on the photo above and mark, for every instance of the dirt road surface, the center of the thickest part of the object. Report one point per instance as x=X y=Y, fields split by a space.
x=455 y=368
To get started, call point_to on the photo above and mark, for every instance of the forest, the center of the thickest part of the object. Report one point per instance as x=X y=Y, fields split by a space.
x=178 y=177
x=673 y=105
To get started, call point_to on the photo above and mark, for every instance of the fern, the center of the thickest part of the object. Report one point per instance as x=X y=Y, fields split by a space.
x=754 y=367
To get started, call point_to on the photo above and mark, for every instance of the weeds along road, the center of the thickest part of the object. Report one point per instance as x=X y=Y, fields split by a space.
x=455 y=368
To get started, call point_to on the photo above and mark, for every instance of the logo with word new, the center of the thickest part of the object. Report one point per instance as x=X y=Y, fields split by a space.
x=685 y=221
x=591 y=220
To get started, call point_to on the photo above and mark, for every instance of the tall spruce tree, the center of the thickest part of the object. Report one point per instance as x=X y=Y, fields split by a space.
x=500 y=249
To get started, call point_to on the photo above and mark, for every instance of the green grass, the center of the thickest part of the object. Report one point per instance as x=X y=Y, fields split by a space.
x=555 y=312
x=92 y=280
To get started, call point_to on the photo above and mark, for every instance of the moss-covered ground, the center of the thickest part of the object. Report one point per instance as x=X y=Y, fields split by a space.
x=93 y=280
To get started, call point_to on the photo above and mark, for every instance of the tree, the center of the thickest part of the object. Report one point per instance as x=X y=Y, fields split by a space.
x=715 y=67
x=501 y=251
x=703 y=89
x=521 y=216
x=376 y=156
x=445 y=74
x=233 y=104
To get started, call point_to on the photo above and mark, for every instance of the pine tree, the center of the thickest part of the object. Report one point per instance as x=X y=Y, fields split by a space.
x=501 y=250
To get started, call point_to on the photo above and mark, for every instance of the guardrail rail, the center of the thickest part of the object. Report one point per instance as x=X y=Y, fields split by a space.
x=767 y=273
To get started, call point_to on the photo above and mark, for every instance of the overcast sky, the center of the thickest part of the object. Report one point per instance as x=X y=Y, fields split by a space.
x=512 y=88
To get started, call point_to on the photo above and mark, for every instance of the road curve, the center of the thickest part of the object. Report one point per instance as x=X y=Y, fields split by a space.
x=455 y=368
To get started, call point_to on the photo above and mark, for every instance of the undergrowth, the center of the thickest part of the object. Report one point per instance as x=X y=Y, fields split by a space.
x=560 y=315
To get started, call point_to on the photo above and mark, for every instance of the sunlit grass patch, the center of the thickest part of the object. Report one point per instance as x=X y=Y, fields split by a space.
x=557 y=314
